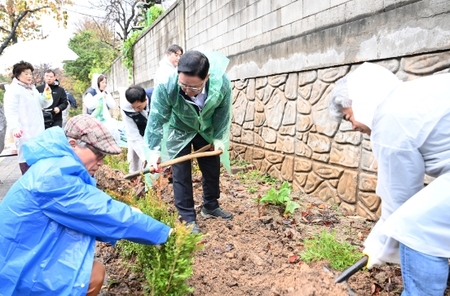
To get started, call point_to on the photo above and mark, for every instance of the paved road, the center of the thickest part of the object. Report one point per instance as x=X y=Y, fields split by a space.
x=9 y=173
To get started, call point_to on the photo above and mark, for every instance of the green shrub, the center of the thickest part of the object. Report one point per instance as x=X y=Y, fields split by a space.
x=127 y=48
x=167 y=268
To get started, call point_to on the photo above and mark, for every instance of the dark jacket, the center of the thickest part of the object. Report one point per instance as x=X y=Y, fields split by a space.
x=59 y=100
x=72 y=101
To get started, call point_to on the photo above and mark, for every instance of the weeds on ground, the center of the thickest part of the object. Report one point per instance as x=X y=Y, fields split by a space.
x=280 y=198
x=325 y=246
x=239 y=162
x=117 y=162
x=252 y=189
x=255 y=176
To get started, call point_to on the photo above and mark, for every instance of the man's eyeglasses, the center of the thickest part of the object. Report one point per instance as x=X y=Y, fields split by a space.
x=192 y=88
x=100 y=155
x=178 y=55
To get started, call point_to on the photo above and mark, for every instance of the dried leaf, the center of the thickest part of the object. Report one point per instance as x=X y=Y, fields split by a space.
x=360 y=236
x=293 y=258
x=375 y=289
x=322 y=206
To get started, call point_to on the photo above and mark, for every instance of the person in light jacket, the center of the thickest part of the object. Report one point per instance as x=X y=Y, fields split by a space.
x=409 y=128
x=168 y=64
x=53 y=215
x=98 y=102
x=23 y=108
x=135 y=106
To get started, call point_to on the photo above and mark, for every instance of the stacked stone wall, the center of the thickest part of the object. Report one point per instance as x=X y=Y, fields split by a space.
x=281 y=125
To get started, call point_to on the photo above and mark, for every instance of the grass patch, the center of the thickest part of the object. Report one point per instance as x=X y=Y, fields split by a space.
x=255 y=176
x=325 y=246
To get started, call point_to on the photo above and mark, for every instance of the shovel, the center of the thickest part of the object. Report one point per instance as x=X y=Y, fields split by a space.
x=344 y=276
x=196 y=154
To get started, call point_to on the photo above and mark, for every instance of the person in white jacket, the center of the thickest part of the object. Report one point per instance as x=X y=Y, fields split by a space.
x=23 y=108
x=98 y=102
x=135 y=106
x=409 y=128
x=97 y=96
x=168 y=65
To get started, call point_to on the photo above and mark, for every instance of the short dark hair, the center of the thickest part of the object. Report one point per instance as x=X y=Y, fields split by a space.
x=50 y=71
x=21 y=66
x=135 y=93
x=174 y=48
x=194 y=63
x=100 y=78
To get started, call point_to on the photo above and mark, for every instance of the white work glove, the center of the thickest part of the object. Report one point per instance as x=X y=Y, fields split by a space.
x=154 y=159
x=135 y=209
x=218 y=144
x=372 y=260
x=17 y=132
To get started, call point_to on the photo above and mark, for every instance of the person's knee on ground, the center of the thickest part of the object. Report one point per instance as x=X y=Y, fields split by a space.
x=97 y=278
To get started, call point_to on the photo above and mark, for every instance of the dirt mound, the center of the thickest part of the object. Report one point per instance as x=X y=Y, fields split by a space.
x=257 y=253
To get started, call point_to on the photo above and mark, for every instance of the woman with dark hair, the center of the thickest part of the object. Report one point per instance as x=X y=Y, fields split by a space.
x=98 y=102
x=23 y=108
x=97 y=96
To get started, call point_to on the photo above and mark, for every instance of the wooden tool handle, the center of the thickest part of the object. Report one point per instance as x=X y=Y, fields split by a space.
x=175 y=161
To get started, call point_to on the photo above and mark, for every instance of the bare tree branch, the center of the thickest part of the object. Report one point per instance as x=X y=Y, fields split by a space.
x=15 y=25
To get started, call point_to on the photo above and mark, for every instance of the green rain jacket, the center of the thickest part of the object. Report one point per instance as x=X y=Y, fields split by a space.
x=174 y=121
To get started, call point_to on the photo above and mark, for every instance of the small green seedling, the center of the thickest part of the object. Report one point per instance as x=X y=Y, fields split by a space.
x=280 y=198
x=252 y=189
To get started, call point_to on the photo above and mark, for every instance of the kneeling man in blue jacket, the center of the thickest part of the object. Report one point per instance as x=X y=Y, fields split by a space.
x=53 y=215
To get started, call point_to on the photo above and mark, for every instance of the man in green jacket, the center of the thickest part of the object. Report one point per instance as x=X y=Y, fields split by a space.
x=191 y=110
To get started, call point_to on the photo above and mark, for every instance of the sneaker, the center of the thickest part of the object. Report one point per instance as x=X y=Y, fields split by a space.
x=195 y=228
x=216 y=213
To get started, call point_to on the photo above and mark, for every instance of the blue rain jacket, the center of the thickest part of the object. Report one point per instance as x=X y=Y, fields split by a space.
x=51 y=218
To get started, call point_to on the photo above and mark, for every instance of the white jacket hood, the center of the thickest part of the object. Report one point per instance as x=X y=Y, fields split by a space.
x=368 y=86
x=94 y=84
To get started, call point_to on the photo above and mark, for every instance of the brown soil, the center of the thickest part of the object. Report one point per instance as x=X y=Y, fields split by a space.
x=257 y=253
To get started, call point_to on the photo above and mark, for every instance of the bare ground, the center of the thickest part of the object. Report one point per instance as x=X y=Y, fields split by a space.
x=257 y=253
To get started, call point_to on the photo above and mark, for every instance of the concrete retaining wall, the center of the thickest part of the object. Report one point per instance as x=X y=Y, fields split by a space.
x=284 y=59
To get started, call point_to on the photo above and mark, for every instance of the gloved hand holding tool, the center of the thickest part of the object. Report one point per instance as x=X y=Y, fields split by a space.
x=218 y=144
x=154 y=160
x=156 y=167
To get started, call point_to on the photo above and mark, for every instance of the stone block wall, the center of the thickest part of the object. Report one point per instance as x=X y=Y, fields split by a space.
x=285 y=56
x=281 y=125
